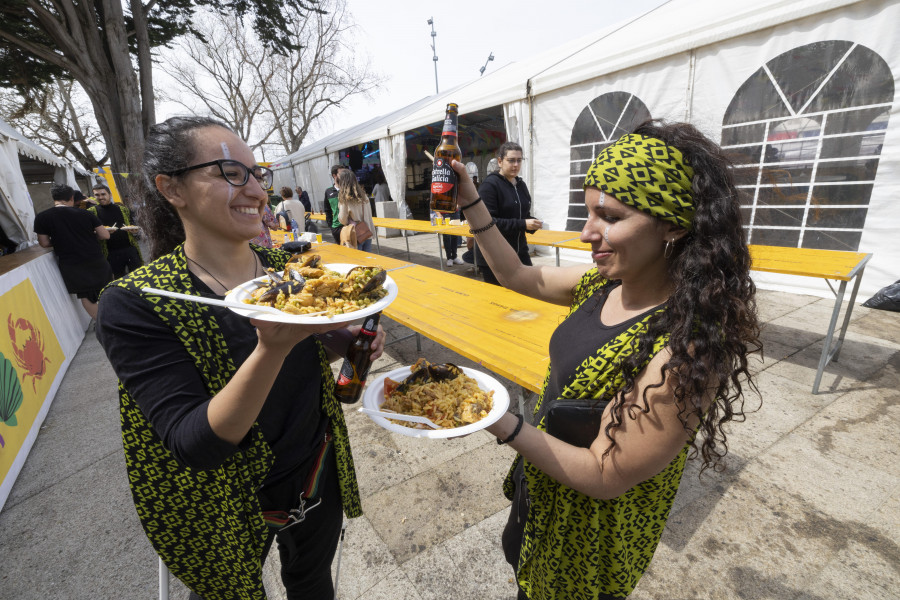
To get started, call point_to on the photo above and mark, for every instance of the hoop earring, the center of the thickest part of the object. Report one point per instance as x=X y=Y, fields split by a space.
x=670 y=248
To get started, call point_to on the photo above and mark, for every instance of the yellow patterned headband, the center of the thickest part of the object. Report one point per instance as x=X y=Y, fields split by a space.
x=648 y=174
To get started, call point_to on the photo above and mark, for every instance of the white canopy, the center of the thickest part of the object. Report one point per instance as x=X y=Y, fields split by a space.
x=714 y=64
x=16 y=208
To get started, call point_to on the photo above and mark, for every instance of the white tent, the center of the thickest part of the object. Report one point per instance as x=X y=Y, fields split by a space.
x=802 y=92
x=16 y=208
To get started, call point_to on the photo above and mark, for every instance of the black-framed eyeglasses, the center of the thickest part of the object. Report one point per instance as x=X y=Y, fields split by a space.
x=514 y=161
x=236 y=173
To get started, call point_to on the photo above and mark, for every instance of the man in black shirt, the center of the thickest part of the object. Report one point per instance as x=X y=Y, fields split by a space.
x=122 y=248
x=74 y=235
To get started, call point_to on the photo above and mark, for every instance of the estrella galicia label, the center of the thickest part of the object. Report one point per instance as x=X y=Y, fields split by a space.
x=443 y=178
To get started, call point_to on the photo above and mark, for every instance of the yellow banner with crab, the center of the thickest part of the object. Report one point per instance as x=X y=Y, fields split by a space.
x=30 y=358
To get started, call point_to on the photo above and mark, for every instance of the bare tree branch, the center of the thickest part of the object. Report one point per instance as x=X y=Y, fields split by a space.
x=57 y=116
x=267 y=95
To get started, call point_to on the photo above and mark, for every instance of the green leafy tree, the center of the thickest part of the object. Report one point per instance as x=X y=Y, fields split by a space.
x=107 y=47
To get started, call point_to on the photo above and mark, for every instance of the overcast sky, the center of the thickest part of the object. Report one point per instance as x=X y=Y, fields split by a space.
x=396 y=36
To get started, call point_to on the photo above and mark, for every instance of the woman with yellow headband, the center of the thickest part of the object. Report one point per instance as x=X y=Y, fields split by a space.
x=653 y=350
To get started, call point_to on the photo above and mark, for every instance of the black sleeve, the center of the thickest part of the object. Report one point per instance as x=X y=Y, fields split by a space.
x=491 y=195
x=329 y=216
x=160 y=375
x=40 y=225
x=528 y=214
x=95 y=220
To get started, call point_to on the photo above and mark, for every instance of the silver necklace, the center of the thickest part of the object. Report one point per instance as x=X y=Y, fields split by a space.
x=216 y=279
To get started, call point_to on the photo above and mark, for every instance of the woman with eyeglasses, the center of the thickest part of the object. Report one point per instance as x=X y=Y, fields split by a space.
x=506 y=197
x=232 y=435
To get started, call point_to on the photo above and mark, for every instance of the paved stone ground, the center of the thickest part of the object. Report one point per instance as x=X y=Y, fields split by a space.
x=809 y=508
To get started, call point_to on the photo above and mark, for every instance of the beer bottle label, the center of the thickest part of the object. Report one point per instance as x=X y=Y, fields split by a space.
x=348 y=373
x=443 y=177
x=450 y=125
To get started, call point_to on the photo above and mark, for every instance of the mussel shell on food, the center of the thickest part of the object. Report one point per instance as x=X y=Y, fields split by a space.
x=425 y=372
x=374 y=278
x=313 y=260
x=287 y=286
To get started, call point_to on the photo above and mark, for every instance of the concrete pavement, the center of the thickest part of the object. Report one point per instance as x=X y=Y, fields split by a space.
x=808 y=509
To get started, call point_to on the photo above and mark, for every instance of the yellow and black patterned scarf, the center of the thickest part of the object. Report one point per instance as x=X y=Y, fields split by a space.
x=575 y=547
x=206 y=524
x=648 y=174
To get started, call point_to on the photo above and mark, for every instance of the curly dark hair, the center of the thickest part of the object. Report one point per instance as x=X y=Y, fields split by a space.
x=711 y=316
x=169 y=146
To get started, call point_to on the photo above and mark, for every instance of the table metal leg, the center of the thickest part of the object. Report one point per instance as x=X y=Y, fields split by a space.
x=826 y=350
x=440 y=251
x=378 y=241
x=406 y=237
x=846 y=324
x=557 y=256
x=163 y=580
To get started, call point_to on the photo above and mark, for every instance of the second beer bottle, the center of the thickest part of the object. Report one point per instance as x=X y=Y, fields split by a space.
x=356 y=365
x=443 y=177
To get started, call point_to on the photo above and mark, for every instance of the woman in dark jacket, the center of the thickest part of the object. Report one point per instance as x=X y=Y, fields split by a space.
x=507 y=199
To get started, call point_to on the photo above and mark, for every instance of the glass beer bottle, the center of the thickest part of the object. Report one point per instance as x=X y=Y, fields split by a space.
x=443 y=177
x=356 y=365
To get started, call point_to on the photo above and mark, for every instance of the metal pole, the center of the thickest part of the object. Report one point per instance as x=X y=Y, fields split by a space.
x=434 y=57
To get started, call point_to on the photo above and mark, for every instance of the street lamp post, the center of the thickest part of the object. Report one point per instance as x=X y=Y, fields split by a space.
x=434 y=53
x=489 y=59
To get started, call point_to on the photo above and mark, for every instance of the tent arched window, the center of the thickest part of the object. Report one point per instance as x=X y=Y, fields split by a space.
x=604 y=120
x=805 y=132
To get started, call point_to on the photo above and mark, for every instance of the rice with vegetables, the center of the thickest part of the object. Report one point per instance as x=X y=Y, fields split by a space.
x=324 y=291
x=448 y=402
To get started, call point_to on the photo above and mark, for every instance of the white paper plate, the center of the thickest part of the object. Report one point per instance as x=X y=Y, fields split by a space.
x=244 y=290
x=373 y=397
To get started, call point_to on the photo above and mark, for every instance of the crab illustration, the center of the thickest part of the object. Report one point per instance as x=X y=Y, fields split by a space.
x=28 y=347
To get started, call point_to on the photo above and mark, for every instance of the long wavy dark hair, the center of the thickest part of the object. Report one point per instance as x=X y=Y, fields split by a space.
x=169 y=146
x=711 y=316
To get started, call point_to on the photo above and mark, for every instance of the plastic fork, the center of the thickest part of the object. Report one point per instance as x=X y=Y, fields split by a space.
x=399 y=417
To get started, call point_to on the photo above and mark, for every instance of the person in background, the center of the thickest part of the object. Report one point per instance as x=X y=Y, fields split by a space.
x=381 y=190
x=507 y=199
x=273 y=199
x=304 y=199
x=354 y=206
x=268 y=223
x=451 y=243
x=82 y=201
x=121 y=250
x=7 y=246
x=331 y=205
x=294 y=209
x=75 y=236
x=654 y=350
x=309 y=224
x=232 y=433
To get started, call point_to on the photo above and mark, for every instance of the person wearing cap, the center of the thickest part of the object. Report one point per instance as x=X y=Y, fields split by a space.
x=653 y=351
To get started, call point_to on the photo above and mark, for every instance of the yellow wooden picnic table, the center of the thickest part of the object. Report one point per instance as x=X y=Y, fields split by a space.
x=417 y=226
x=503 y=331
x=806 y=262
x=840 y=266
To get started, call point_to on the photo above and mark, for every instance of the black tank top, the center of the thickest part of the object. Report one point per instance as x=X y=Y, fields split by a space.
x=579 y=337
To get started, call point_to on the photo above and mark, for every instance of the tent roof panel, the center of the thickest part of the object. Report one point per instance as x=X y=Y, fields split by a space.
x=674 y=27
